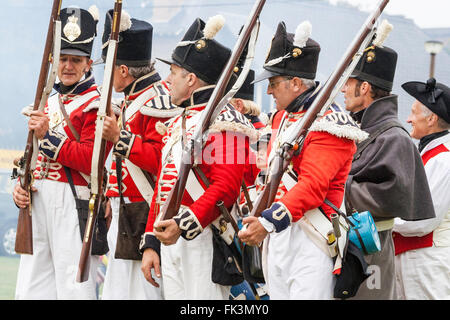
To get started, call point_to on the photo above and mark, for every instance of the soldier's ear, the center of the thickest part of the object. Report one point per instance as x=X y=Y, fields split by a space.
x=432 y=119
x=240 y=106
x=124 y=70
x=297 y=83
x=365 y=88
x=89 y=63
x=192 y=79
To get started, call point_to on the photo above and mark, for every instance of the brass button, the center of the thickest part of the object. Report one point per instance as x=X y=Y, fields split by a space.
x=296 y=52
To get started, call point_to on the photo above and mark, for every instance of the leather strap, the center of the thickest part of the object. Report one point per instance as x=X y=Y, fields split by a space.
x=70 y=179
x=67 y=118
x=223 y=210
x=77 y=137
x=247 y=196
x=119 y=178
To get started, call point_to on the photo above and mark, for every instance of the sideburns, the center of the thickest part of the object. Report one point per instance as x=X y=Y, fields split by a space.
x=357 y=89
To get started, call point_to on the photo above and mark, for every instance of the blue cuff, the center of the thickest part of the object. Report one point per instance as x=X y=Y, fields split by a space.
x=123 y=146
x=51 y=144
x=188 y=223
x=278 y=215
x=148 y=240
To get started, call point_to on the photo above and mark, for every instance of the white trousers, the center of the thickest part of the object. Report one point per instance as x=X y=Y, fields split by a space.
x=124 y=279
x=50 y=273
x=423 y=274
x=296 y=268
x=186 y=270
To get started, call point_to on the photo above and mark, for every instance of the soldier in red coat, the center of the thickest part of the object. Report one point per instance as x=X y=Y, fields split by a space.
x=136 y=156
x=187 y=251
x=65 y=131
x=296 y=259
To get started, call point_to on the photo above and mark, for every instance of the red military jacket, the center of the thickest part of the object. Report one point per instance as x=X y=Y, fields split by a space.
x=322 y=167
x=224 y=157
x=146 y=107
x=60 y=147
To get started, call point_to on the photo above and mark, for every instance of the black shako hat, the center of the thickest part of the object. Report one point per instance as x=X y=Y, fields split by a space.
x=247 y=90
x=434 y=95
x=78 y=30
x=295 y=55
x=378 y=63
x=199 y=53
x=135 y=40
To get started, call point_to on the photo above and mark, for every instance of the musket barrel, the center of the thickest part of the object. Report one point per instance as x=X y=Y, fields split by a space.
x=24 y=234
x=173 y=202
x=98 y=154
x=300 y=128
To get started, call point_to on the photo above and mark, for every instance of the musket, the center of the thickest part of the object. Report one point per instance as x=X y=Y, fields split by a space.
x=27 y=164
x=292 y=145
x=99 y=152
x=212 y=110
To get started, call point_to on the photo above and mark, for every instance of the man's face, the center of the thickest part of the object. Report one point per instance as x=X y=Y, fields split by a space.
x=261 y=157
x=418 y=121
x=178 y=80
x=72 y=68
x=280 y=89
x=353 y=99
x=121 y=78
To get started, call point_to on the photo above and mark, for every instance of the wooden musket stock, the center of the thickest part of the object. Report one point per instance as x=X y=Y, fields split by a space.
x=99 y=152
x=24 y=235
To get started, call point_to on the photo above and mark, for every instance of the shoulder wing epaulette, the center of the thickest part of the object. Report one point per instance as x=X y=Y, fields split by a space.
x=160 y=105
x=339 y=123
x=232 y=120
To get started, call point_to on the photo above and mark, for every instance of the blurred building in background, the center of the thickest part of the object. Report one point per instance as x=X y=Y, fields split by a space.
x=334 y=27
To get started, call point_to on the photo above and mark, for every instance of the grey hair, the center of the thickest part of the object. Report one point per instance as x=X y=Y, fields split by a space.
x=139 y=72
x=442 y=124
x=308 y=83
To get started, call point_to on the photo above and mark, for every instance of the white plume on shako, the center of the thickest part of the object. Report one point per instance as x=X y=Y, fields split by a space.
x=213 y=26
x=302 y=34
x=382 y=33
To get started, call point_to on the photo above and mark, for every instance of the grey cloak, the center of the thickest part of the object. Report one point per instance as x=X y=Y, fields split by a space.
x=389 y=180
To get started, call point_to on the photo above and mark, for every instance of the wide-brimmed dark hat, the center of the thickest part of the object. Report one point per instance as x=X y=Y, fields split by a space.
x=135 y=40
x=378 y=63
x=198 y=51
x=434 y=95
x=78 y=30
x=290 y=54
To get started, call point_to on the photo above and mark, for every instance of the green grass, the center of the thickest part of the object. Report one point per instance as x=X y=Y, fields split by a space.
x=8 y=277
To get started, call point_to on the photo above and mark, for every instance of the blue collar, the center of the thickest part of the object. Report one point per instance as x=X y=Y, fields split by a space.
x=78 y=87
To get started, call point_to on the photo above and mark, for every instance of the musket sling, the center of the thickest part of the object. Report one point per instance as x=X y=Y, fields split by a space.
x=99 y=240
x=226 y=265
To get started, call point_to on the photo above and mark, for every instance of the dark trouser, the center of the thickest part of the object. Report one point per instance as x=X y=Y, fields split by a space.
x=381 y=284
